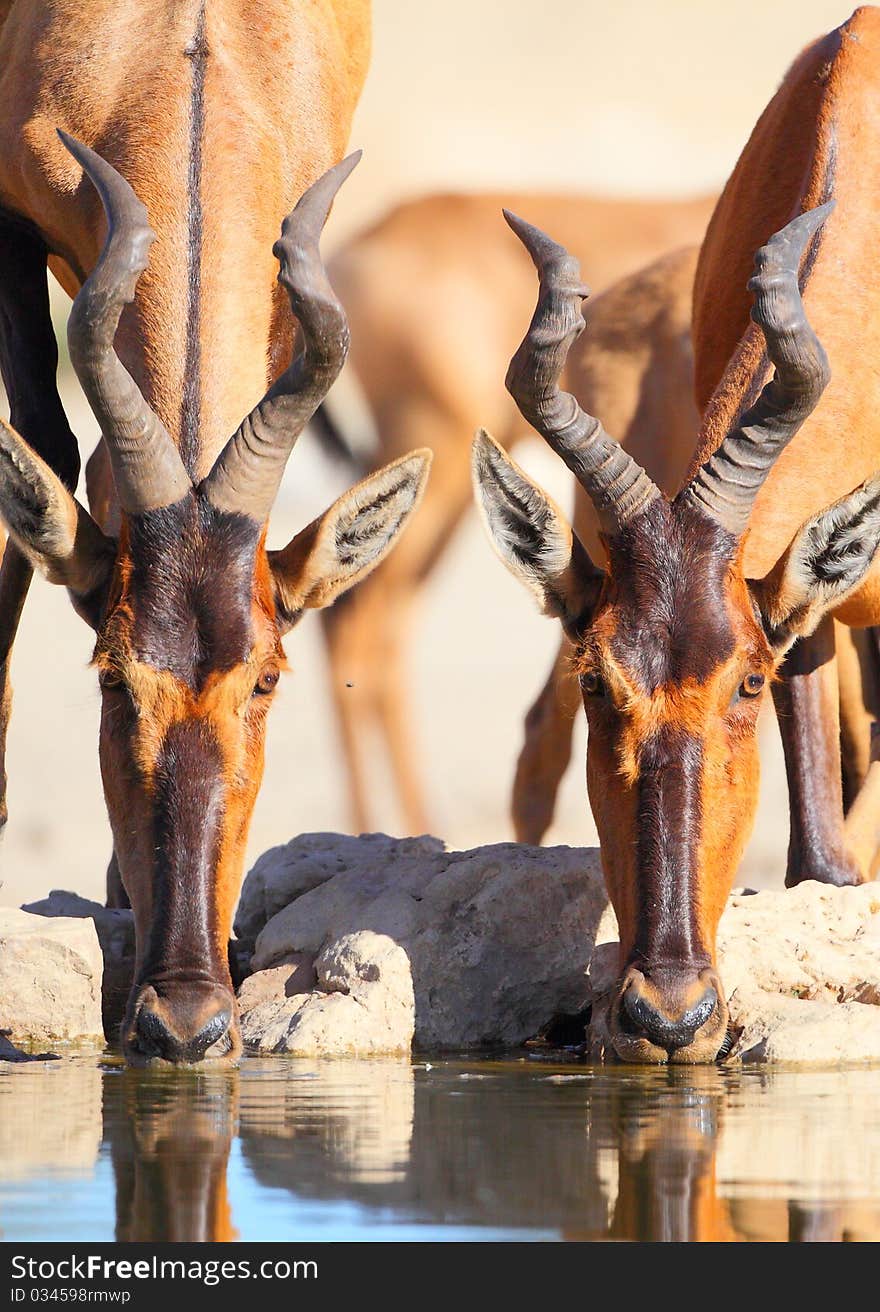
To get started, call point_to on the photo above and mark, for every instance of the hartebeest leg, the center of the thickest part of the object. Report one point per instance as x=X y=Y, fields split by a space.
x=807 y=706
x=858 y=656
x=859 y=704
x=546 y=750
x=28 y=364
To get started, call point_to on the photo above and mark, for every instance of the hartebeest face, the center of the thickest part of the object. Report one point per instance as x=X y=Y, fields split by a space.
x=189 y=609
x=188 y=655
x=672 y=667
x=674 y=647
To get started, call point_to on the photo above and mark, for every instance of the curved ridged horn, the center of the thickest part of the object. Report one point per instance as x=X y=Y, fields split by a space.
x=147 y=467
x=726 y=485
x=247 y=473
x=618 y=487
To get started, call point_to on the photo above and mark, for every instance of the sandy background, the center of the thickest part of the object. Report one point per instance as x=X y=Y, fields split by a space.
x=635 y=98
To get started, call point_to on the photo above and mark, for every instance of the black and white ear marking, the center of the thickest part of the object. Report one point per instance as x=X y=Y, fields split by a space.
x=349 y=540
x=532 y=536
x=828 y=557
x=372 y=514
x=56 y=534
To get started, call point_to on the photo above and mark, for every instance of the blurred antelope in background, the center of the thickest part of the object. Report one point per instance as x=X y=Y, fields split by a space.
x=773 y=532
x=171 y=569
x=432 y=329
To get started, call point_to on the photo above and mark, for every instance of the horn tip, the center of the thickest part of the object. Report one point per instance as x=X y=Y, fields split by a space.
x=546 y=253
x=311 y=210
x=523 y=229
x=78 y=149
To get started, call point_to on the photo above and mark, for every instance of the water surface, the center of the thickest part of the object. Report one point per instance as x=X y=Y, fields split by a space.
x=524 y=1148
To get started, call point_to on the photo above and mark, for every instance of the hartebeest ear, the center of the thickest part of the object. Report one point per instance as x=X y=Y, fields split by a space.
x=828 y=557
x=534 y=538
x=58 y=536
x=344 y=544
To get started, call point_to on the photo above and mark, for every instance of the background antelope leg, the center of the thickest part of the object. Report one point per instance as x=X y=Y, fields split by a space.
x=366 y=631
x=807 y=707
x=859 y=661
x=546 y=750
x=28 y=364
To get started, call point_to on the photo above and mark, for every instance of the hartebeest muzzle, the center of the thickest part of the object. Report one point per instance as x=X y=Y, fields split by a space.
x=189 y=608
x=674 y=647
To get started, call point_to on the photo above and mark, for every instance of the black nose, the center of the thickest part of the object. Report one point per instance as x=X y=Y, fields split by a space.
x=155 y=1039
x=662 y=1030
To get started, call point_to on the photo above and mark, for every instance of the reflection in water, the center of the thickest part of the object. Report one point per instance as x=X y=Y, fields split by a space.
x=292 y=1148
x=169 y=1140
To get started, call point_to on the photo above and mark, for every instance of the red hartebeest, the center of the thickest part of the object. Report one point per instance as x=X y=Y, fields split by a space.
x=429 y=378
x=219 y=118
x=679 y=635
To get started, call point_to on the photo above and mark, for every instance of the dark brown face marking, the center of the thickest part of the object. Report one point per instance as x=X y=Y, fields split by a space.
x=191 y=589
x=669 y=819
x=669 y=572
x=188 y=813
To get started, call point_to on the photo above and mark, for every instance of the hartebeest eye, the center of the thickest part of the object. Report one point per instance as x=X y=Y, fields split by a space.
x=266 y=683
x=751 y=686
x=592 y=684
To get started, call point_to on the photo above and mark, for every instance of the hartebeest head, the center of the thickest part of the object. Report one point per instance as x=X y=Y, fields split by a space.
x=674 y=646
x=189 y=609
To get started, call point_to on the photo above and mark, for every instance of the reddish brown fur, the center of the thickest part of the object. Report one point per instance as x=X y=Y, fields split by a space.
x=281 y=84
x=821 y=129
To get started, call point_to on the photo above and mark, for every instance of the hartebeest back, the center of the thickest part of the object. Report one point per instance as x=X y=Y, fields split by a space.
x=226 y=115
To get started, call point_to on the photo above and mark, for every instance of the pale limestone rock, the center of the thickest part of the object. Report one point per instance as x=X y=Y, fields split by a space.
x=813 y=942
x=115 y=930
x=776 y=1028
x=50 y=978
x=359 y=1002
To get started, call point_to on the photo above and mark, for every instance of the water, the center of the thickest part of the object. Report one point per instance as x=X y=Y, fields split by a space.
x=523 y=1148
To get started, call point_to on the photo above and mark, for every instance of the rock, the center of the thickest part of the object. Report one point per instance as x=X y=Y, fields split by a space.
x=283 y=874
x=778 y=1028
x=50 y=978
x=814 y=942
x=497 y=940
x=358 y=1001
x=115 y=930
x=502 y=939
